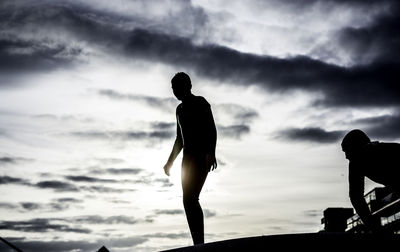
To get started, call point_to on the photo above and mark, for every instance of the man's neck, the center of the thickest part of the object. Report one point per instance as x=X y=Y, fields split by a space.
x=187 y=97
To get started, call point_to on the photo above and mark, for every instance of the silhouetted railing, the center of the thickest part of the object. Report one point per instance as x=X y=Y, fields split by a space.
x=10 y=245
x=384 y=204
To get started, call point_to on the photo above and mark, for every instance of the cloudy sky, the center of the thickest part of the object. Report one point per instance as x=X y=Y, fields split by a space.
x=88 y=117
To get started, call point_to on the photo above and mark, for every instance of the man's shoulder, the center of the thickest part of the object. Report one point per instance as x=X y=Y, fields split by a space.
x=179 y=108
x=201 y=100
x=383 y=145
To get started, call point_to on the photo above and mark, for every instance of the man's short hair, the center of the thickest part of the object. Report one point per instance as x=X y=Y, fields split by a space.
x=181 y=80
x=354 y=139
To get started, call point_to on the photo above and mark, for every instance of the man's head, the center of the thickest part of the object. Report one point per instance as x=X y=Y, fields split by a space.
x=353 y=141
x=181 y=85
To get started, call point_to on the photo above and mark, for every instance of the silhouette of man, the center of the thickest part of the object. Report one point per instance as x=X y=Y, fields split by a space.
x=197 y=136
x=377 y=161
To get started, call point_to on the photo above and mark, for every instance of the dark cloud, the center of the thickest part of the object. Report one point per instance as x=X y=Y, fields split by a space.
x=43 y=207
x=40 y=226
x=163 y=181
x=18 y=55
x=309 y=4
x=97 y=219
x=56 y=205
x=374 y=84
x=317 y=135
x=7 y=205
x=163 y=125
x=168 y=211
x=12 y=180
x=46 y=36
x=13 y=160
x=117 y=171
x=62 y=204
x=68 y=200
x=313 y=213
x=370 y=85
x=58 y=186
x=7 y=160
x=30 y=206
x=238 y=113
x=166 y=104
x=233 y=131
x=61 y=186
x=209 y=213
x=71 y=224
x=104 y=189
x=246 y=116
x=90 y=179
x=386 y=126
x=379 y=41
x=168 y=235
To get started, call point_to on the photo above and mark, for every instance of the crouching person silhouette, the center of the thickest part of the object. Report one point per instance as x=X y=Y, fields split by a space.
x=197 y=136
x=377 y=161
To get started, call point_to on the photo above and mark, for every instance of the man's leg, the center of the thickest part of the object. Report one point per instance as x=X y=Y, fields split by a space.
x=193 y=178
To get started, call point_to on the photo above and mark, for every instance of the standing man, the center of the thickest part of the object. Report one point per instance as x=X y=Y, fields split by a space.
x=197 y=136
x=377 y=161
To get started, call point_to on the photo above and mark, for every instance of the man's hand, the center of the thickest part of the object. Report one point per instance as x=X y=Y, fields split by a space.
x=167 y=167
x=211 y=162
x=373 y=223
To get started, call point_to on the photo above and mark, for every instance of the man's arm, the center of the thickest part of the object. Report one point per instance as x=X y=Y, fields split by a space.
x=176 y=149
x=212 y=141
x=356 y=193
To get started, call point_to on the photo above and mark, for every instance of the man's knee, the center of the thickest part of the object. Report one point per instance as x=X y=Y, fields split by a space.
x=190 y=200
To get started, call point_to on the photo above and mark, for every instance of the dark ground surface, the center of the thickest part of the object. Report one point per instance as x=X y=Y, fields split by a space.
x=306 y=242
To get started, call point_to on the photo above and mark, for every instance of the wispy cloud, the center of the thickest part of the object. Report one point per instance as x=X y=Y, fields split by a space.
x=13 y=160
x=124 y=135
x=166 y=104
x=40 y=225
x=117 y=171
x=236 y=112
x=168 y=235
x=69 y=224
x=7 y=160
x=386 y=126
x=164 y=182
x=111 y=220
x=207 y=212
x=90 y=179
x=12 y=180
x=169 y=211
x=104 y=189
x=233 y=131
x=58 y=186
x=239 y=115
x=317 y=135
